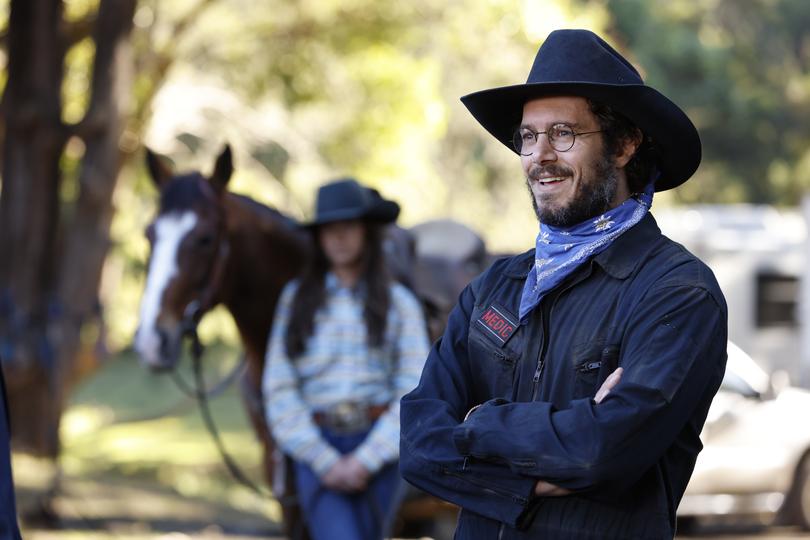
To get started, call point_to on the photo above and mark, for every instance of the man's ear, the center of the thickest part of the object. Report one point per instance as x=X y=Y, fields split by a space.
x=628 y=149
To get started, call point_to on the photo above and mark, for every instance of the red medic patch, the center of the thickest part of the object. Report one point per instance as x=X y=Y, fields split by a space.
x=497 y=323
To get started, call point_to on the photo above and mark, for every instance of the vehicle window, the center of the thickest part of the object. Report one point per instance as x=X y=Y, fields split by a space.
x=776 y=297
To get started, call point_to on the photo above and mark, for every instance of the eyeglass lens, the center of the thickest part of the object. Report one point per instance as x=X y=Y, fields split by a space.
x=560 y=137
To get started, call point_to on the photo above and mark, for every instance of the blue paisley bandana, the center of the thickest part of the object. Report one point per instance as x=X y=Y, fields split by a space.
x=560 y=250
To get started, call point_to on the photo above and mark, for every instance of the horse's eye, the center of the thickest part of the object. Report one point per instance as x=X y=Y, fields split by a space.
x=205 y=241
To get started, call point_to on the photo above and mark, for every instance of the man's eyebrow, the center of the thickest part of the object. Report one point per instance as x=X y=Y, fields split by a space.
x=554 y=123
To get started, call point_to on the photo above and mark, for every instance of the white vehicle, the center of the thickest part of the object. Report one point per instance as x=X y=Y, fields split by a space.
x=756 y=455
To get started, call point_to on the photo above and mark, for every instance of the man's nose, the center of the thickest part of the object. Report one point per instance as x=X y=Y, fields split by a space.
x=545 y=152
x=542 y=151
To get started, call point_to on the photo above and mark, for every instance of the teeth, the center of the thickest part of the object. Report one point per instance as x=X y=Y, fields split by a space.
x=552 y=180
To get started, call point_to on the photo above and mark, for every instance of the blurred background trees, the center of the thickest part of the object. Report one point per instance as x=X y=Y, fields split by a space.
x=52 y=243
x=312 y=89
x=741 y=69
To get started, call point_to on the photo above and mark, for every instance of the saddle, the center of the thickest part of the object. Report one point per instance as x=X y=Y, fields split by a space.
x=448 y=256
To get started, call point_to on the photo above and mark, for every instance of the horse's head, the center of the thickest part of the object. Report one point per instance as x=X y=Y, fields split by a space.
x=189 y=248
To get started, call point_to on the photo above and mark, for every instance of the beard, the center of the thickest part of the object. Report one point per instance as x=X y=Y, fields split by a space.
x=594 y=196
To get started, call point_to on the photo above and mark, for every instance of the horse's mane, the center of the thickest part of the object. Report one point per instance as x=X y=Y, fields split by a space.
x=268 y=211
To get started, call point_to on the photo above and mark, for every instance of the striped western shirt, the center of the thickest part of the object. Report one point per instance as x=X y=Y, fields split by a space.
x=339 y=366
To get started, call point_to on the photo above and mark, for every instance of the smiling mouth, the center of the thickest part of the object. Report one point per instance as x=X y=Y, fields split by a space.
x=551 y=180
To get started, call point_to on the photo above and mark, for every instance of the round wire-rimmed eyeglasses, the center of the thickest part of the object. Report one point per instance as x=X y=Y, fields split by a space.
x=561 y=137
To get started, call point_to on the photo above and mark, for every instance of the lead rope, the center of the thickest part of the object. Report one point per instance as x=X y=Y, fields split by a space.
x=191 y=318
x=201 y=395
x=202 y=400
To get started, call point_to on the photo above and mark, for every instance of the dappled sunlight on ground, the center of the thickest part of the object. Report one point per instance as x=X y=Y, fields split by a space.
x=137 y=462
x=140 y=509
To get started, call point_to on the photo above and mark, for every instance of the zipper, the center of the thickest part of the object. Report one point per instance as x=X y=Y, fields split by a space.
x=541 y=359
x=586 y=367
x=538 y=372
x=504 y=358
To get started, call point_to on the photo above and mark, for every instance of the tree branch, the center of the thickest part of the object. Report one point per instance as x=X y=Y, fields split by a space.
x=165 y=57
x=191 y=17
x=75 y=31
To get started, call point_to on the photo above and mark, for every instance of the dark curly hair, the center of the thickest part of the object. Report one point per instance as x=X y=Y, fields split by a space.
x=616 y=129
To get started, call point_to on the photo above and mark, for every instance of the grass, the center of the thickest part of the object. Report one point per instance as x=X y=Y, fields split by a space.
x=137 y=460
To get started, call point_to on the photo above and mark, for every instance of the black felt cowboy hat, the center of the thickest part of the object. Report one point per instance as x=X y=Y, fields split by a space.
x=346 y=199
x=580 y=63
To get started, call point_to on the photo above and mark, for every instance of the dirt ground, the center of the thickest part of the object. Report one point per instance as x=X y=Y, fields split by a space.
x=95 y=508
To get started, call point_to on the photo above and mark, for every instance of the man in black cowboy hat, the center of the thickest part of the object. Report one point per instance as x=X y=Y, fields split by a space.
x=567 y=395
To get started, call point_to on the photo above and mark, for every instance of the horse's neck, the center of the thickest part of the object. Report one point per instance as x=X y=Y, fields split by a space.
x=265 y=253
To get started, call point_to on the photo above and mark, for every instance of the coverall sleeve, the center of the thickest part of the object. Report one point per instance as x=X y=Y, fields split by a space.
x=673 y=355
x=289 y=417
x=429 y=415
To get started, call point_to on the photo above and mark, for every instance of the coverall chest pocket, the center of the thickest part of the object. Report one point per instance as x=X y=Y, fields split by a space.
x=494 y=334
x=593 y=362
x=492 y=366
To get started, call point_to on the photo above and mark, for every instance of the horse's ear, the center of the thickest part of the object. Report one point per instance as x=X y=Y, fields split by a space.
x=158 y=169
x=222 y=170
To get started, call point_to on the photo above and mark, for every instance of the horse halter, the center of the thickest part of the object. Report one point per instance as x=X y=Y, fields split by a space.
x=204 y=300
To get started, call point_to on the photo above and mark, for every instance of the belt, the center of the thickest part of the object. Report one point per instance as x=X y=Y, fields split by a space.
x=349 y=417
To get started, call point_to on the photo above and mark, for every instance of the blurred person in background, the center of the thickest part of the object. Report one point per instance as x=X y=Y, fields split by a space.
x=347 y=344
x=8 y=512
x=567 y=395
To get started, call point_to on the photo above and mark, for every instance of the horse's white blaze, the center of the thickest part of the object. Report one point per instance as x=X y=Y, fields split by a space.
x=169 y=232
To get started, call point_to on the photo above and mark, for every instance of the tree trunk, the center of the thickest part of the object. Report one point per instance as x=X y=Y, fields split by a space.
x=87 y=237
x=29 y=219
x=49 y=277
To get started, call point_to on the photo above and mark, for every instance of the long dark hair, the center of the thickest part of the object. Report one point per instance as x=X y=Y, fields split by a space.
x=311 y=293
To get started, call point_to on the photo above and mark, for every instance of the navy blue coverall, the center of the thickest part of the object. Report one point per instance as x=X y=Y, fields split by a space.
x=645 y=304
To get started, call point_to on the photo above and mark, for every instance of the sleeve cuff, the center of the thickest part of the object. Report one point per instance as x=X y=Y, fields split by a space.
x=328 y=457
x=466 y=416
x=370 y=460
x=464 y=434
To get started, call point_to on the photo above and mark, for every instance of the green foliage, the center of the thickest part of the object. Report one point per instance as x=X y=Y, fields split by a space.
x=739 y=68
x=372 y=90
x=5 y=6
x=75 y=10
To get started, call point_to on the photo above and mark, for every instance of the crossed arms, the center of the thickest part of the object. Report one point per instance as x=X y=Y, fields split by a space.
x=507 y=453
x=547 y=489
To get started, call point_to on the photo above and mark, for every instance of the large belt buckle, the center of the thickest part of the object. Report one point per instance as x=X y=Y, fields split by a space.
x=349 y=417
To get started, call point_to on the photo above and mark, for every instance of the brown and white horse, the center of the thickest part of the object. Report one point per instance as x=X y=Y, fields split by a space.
x=211 y=246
